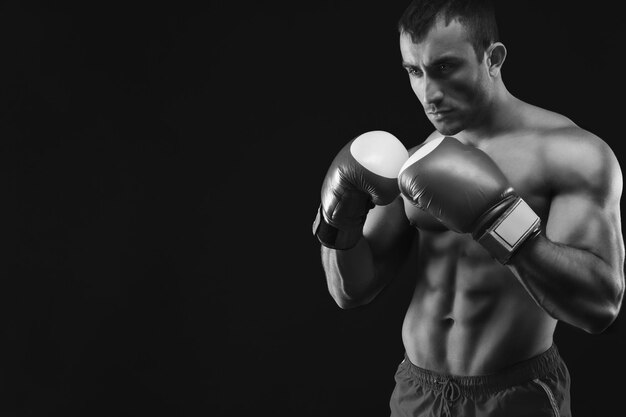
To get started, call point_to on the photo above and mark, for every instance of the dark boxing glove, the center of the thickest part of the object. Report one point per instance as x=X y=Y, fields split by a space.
x=363 y=174
x=463 y=188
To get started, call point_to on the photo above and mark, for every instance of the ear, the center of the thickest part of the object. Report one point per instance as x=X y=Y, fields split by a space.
x=495 y=56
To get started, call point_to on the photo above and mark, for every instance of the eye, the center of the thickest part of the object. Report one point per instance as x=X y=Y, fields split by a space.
x=444 y=68
x=413 y=72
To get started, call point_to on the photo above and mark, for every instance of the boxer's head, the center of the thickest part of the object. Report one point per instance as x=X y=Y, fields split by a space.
x=451 y=51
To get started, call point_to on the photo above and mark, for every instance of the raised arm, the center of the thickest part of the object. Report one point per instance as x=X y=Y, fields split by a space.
x=357 y=275
x=575 y=270
x=361 y=246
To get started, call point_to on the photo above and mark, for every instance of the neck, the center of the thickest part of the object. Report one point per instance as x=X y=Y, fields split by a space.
x=500 y=116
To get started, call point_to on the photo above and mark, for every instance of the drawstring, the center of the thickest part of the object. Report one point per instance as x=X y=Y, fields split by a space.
x=450 y=392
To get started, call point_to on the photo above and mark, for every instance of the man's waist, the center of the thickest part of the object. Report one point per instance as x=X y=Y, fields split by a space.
x=515 y=374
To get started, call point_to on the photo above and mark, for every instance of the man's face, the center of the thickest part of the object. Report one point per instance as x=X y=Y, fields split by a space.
x=446 y=76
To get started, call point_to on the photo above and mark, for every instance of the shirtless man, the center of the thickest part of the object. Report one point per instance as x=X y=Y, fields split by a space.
x=478 y=332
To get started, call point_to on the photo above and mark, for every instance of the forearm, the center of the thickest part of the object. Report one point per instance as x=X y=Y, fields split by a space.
x=570 y=284
x=351 y=275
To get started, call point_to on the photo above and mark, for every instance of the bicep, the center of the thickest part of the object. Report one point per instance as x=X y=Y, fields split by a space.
x=579 y=220
x=585 y=209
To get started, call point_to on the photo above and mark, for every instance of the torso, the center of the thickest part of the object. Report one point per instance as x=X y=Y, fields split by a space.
x=469 y=315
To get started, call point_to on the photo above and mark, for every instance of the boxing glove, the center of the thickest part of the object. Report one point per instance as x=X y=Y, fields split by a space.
x=417 y=217
x=462 y=187
x=364 y=173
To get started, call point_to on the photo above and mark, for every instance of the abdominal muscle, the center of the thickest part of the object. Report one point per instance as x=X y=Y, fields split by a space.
x=469 y=315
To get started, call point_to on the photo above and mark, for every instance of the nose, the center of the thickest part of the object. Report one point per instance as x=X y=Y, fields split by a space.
x=432 y=93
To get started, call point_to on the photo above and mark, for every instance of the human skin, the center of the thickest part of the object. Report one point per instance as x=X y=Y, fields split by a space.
x=470 y=315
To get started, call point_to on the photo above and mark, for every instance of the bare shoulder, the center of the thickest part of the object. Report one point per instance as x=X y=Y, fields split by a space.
x=564 y=142
x=576 y=158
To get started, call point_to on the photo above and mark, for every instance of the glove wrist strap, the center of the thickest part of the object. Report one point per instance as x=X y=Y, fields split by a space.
x=332 y=237
x=514 y=227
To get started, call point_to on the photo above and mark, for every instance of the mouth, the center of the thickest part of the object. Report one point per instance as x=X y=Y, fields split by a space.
x=439 y=114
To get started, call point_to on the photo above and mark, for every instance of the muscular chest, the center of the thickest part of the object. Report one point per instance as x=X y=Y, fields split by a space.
x=447 y=255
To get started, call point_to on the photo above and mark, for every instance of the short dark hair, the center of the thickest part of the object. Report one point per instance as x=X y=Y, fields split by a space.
x=478 y=16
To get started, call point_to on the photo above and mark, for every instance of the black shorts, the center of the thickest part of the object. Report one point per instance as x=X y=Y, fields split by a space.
x=539 y=386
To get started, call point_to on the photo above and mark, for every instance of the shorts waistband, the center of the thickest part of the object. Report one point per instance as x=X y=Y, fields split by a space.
x=522 y=372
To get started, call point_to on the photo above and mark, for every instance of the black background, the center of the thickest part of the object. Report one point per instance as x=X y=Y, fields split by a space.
x=160 y=170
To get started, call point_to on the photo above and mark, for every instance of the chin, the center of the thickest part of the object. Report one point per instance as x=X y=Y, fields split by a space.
x=448 y=130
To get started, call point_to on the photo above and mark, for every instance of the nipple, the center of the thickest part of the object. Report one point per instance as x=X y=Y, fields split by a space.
x=448 y=322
